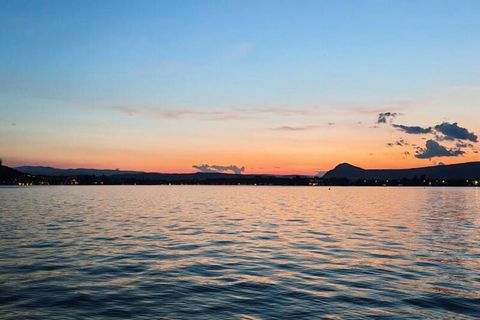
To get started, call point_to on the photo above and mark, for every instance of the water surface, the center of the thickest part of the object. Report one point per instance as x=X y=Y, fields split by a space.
x=223 y=252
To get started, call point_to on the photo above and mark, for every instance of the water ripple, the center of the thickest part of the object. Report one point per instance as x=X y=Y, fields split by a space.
x=191 y=252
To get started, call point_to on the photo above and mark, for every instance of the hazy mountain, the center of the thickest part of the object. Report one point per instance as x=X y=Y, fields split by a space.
x=49 y=171
x=469 y=170
x=53 y=176
x=121 y=174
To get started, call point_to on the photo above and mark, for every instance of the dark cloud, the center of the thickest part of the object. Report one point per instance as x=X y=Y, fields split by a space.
x=398 y=143
x=464 y=145
x=219 y=169
x=385 y=117
x=452 y=131
x=412 y=129
x=434 y=149
x=461 y=139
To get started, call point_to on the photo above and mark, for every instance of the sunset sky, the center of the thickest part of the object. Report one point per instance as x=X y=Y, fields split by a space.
x=274 y=86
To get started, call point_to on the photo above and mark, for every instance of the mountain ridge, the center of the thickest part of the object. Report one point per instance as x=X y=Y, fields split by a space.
x=467 y=170
x=462 y=174
x=52 y=171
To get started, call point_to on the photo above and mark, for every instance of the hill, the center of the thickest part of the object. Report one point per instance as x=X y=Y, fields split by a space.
x=53 y=176
x=462 y=171
x=49 y=171
x=9 y=175
x=465 y=174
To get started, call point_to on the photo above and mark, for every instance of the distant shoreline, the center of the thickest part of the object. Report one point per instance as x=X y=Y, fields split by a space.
x=14 y=186
x=459 y=175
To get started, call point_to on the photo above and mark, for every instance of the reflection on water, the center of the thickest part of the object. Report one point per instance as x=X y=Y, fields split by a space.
x=202 y=252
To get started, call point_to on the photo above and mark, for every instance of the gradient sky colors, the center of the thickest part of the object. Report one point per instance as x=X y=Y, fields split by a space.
x=275 y=86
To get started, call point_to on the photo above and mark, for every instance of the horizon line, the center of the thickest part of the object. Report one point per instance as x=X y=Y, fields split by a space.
x=319 y=173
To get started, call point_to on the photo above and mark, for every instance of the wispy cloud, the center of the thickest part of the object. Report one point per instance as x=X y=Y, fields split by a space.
x=235 y=114
x=159 y=113
x=396 y=107
x=302 y=128
x=293 y=128
x=286 y=112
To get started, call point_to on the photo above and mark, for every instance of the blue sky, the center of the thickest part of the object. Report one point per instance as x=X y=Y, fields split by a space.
x=79 y=65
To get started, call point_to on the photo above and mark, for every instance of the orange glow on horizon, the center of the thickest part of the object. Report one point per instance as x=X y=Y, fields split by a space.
x=282 y=166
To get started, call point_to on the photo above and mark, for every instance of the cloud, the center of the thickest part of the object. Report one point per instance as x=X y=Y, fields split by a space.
x=462 y=140
x=452 y=131
x=375 y=111
x=219 y=169
x=412 y=129
x=464 y=145
x=292 y=128
x=159 y=113
x=385 y=117
x=236 y=114
x=399 y=143
x=443 y=131
x=287 y=112
x=434 y=149
x=203 y=168
x=302 y=128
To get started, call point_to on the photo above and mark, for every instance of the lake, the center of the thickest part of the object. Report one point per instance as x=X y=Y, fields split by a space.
x=239 y=252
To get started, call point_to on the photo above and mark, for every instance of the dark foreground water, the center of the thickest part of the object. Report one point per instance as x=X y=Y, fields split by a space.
x=202 y=252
